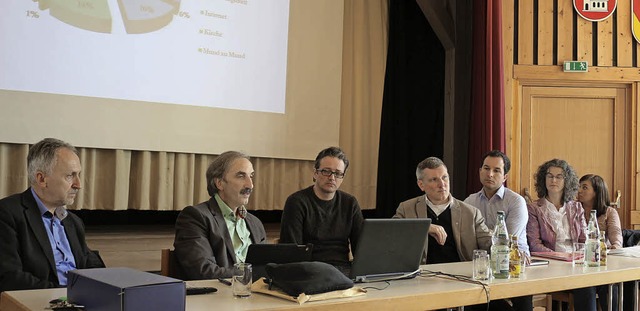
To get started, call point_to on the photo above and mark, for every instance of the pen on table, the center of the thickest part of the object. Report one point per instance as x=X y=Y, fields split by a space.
x=225 y=282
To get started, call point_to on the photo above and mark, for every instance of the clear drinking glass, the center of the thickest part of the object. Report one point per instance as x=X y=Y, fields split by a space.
x=577 y=257
x=481 y=265
x=241 y=280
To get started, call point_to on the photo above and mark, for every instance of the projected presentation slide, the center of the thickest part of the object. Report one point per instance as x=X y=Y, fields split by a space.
x=216 y=53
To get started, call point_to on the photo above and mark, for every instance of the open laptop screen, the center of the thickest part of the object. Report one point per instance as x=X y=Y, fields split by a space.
x=389 y=249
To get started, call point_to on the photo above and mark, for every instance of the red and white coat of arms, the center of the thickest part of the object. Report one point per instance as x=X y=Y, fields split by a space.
x=595 y=10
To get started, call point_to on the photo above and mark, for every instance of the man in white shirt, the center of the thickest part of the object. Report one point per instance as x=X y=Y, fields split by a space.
x=494 y=197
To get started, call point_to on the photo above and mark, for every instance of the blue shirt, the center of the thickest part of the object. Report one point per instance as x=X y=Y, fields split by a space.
x=514 y=207
x=62 y=254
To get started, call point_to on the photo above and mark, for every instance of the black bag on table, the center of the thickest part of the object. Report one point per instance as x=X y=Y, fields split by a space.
x=310 y=277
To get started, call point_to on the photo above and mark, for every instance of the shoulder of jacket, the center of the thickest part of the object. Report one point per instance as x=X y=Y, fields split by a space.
x=413 y=201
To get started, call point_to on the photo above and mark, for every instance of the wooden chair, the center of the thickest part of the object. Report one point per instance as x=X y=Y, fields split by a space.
x=169 y=264
x=543 y=301
x=564 y=296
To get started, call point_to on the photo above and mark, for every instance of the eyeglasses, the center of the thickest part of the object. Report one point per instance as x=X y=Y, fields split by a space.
x=558 y=177
x=327 y=173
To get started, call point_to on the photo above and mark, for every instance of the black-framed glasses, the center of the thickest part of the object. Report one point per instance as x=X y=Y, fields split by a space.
x=327 y=173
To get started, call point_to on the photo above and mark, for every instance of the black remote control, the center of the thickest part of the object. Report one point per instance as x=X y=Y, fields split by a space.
x=200 y=290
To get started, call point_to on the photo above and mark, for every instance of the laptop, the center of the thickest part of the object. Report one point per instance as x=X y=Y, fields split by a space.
x=389 y=249
x=259 y=255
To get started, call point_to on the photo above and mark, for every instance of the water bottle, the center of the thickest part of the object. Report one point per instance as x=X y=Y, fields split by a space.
x=500 y=248
x=592 y=245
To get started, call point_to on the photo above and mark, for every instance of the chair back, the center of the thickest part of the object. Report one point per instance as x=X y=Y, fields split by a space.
x=630 y=237
x=169 y=265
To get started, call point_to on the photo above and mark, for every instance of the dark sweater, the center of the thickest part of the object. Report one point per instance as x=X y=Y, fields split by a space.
x=447 y=252
x=329 y=225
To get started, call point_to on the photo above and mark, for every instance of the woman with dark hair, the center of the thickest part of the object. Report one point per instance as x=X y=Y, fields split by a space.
x=594 y=195
x=556 y=220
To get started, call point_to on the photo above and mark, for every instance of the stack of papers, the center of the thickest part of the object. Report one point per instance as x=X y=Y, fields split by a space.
x=554 y=255
x=633 y=251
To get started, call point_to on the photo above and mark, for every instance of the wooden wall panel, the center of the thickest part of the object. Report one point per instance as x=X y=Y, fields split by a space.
x=508 y=43
x=605 y=42
x=525 y=32
x=585 y=40
x=625 y=41
x=545 y=32
x=565 y=31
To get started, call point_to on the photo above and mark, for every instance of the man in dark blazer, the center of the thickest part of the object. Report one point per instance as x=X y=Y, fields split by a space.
x=40 y=241
x=214 y=235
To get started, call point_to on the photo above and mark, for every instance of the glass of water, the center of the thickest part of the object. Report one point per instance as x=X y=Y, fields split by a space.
x=481 y=265
x=241 y=281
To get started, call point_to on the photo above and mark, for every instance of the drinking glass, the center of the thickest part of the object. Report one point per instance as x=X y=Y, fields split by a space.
x=241 y=280
x=577 y=257
x=481 y=265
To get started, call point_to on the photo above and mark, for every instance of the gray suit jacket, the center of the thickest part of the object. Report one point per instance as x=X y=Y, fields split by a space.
x=469 y=230
x=203 y=245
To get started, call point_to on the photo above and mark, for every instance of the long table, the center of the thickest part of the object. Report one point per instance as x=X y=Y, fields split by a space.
x=421 y=293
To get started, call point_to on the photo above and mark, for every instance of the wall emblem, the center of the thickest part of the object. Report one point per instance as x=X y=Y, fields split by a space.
x=635 y=19
x=595 y=10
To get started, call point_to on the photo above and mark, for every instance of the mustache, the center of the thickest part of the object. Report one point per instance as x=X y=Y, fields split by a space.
x=246 y=191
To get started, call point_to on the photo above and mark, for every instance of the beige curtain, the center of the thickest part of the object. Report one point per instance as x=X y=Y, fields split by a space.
x=145 y=180
x=364 y=60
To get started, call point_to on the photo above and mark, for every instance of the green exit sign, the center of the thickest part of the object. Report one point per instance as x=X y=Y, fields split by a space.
x=575 y=66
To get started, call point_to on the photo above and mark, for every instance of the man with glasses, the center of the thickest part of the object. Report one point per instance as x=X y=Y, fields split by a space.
x=321 y=214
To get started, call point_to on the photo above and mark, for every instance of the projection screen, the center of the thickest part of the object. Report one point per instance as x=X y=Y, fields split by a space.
x=189 y=76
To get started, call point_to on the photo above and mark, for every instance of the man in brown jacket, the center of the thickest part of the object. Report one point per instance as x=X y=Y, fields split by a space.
x=457 y=228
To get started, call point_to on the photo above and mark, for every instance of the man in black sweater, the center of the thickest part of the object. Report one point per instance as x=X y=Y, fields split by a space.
x=321 y=214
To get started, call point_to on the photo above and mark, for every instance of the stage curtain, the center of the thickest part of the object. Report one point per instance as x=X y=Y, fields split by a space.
x=364 y=60
x=487 y=120
x=412 y=123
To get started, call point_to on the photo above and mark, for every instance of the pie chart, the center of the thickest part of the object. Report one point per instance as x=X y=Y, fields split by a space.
x=138 y=16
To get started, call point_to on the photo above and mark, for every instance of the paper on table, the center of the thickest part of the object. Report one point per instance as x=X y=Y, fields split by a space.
x=633 y=251
x=554 y=255
x=260 y=286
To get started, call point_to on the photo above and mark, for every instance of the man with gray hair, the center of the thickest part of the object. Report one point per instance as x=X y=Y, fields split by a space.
x=40 y=241
x=214 y=235
x=457 y=228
